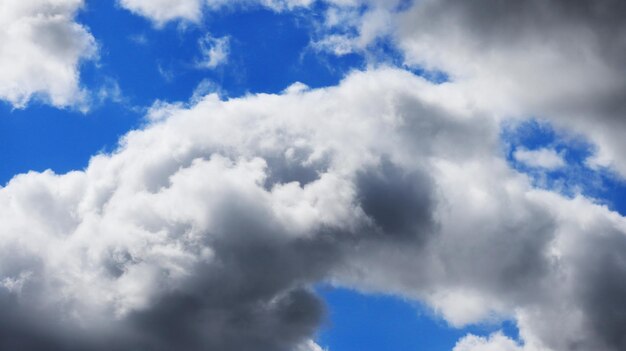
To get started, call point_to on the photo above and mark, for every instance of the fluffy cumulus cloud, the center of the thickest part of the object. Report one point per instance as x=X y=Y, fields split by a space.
x=162 y=11
x=41 y=48
x=207 y=228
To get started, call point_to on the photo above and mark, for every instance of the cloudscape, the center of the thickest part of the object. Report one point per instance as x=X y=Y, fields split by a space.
x=313 y=175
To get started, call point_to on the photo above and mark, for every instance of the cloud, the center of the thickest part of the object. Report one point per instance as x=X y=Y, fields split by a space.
x=207 y=228
x=354 y=26
x=560 y=60
x=540 y=158
x=161 y=12
x=41 y=49
x=495 y=342
x=214 y=51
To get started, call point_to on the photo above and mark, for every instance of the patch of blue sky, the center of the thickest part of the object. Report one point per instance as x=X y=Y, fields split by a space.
x=575 y=177
x=268 y=52
x=359 y=322
x=41 y=137
x=434 y=76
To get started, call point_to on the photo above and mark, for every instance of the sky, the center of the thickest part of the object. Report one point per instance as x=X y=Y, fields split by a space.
x=312 y=175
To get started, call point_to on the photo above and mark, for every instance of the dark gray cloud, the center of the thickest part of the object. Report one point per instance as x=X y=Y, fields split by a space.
x=400 y=203
x=254 y=295
x=601 y=288
x=293 y=166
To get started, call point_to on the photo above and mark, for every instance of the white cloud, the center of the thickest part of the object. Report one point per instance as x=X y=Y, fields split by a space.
x=309 y=346
x=354 y=25
x=540 y=158
x=495 y=342
x=41 y=48
x=161 y=12
x=337 y=44
x=463 y=307
x=214 y=51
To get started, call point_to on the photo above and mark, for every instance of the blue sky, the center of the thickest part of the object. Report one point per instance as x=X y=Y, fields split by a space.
x=549 y=158
x=379 y=322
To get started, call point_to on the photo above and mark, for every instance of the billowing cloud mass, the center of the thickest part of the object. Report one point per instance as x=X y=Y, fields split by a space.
x=207 y=229
x=41 y=48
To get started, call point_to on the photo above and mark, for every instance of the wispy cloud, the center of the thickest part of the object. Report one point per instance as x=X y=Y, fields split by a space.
x=214 y=51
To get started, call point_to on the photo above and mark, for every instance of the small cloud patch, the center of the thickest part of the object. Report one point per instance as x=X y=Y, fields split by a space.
x=546 y=158
x=214 y=51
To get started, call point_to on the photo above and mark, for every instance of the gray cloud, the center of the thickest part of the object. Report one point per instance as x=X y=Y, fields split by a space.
x=399 y=204
x=559 y=60
x=600 y=291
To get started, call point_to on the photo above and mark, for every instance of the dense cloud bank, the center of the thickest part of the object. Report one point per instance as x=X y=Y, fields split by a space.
x=207 y=229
